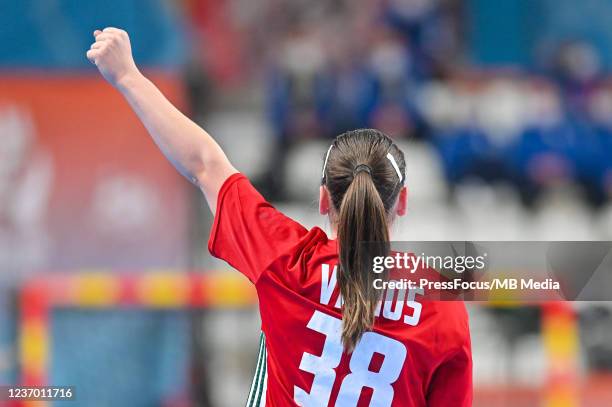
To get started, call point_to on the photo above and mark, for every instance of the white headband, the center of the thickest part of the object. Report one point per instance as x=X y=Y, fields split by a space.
x=389 y=157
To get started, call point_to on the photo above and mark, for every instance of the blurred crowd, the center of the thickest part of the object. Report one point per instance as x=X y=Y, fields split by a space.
x=402 y=66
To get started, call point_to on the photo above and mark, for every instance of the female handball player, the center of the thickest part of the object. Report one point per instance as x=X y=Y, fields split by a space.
x=325 y=341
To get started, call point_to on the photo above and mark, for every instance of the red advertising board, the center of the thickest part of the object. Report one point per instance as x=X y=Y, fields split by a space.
x=81 y=183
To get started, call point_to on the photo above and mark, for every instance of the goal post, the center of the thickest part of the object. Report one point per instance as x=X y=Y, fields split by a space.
x=100 y=290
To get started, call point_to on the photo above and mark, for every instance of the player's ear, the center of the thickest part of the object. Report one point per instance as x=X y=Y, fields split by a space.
x=402 y=202
x=323 y=200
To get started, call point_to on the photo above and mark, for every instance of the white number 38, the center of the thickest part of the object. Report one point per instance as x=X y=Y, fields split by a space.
x=322 y=367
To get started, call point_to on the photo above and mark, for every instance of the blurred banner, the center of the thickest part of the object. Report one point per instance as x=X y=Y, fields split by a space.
x=81 y=183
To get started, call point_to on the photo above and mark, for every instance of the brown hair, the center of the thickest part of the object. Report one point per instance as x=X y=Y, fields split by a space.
x=363 y=186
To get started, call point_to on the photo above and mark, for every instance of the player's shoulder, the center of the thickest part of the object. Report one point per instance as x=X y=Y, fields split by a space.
x=303 y=256
x=313 y=246
x=453 y=322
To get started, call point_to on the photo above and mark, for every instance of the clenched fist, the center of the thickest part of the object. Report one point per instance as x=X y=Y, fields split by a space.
x=112 y=54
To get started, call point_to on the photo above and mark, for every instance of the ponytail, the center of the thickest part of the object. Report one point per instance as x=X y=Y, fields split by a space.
x=363 y=170
x=362 y=234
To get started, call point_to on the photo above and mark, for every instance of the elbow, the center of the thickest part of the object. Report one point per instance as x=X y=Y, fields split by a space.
x=206 y=169
x=197 y=178
x=193 y=170
x=197 y=173
x=196 y=169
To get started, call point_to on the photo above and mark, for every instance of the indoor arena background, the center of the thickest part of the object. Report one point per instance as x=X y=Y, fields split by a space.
x=504 y=109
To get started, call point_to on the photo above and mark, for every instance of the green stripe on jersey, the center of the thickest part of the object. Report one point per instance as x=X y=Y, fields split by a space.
x=259 y=381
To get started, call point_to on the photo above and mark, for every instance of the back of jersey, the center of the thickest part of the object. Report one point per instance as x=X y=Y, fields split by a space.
x=417 y=354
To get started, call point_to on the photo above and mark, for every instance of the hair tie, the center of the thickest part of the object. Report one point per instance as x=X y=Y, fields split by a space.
x=360 y=168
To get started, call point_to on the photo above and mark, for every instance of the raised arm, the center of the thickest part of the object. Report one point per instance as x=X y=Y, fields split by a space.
x=193 y=152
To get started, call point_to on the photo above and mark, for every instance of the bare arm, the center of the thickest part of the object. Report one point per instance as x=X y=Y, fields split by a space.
x=193 y=152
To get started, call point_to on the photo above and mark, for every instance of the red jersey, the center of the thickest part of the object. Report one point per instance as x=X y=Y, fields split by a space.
x=417 y=354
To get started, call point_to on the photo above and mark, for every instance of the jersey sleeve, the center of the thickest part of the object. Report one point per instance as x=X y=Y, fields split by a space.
x=248 y=232
x=451 y=383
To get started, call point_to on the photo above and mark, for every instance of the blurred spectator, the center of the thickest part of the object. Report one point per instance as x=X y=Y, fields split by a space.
x=595 y=151
x=577 y=69
x=541 y=155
